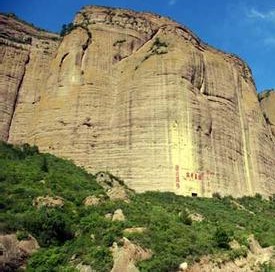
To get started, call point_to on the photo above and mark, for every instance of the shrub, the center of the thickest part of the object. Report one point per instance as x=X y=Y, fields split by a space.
x=222 y=238
x=66 y=29
x=22 y=235
x=238 y=253
x=185 y=218
x=49 y=226
x=217 y=195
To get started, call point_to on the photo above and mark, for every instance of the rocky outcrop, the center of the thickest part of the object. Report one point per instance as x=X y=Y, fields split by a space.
x=48 y=201
x=118 y=215
x=114 y=187
x=84 y=268
x=134 y=230
x=91 y=201
x=142 y=97
x=14 y=253
x=255 y=259
x=127 y=256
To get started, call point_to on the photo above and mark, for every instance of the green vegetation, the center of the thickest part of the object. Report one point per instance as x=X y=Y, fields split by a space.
x=73 y=233
x=14 y=16
x=119 y=42
x=264 y=94
x=66 y=29
x=158 y=48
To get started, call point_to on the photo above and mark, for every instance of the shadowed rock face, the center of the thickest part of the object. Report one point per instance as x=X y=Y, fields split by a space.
x=141 y=96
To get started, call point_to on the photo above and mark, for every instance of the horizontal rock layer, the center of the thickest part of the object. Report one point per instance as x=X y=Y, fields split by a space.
x=140 y=96
x=25 y=55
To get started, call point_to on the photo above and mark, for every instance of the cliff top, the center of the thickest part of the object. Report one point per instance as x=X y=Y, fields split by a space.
x=265 y=94
x=18 y=30
x=148 y=22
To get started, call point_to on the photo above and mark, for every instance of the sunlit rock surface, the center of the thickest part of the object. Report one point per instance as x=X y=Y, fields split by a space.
x=140 y=96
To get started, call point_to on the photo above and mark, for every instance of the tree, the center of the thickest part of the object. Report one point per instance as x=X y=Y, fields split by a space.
x=66 y=29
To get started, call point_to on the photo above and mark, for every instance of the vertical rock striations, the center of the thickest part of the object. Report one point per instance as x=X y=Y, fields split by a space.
x=142 y=97
x=25 y=55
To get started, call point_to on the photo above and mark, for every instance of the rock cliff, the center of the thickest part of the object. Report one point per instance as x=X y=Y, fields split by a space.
x=140 y=96
x=267 y=100
x=25 y=55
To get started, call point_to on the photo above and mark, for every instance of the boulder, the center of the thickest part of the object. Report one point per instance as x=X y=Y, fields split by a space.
x=48 y=201
x=91 y=201
x=118 y=215
x=14 y=253
x=125 y=257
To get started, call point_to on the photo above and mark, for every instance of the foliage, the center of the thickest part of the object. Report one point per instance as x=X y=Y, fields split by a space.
x=222 y=238
x=49 y=226
x=158 y=48
x=66 y=29
x=158 y=44
x=22 y=235
x=119 y=42
x=185 y=218
x=264 y=94
x=14 y=16
x=238 y=253
x=217 y=195
x=85 y=232
x=267 y=267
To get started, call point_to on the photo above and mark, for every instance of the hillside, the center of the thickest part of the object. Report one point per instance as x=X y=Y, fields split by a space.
x=140 y=96
x=46 y=197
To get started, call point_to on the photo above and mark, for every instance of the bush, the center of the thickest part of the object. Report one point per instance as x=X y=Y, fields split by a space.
x=222 y=238
x=46 y=260
x=217 y=195
x=185 y=218
x=49 y=226
x=66 y=29
x=238 y=253
x=22 y=235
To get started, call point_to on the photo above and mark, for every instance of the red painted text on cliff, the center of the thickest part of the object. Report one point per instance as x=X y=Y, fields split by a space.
x=177 y=176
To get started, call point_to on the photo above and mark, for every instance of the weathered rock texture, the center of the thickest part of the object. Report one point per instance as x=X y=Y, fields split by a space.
x=267 y=99
x=14 y=253
x=140 y=96
x=25 y=56
x=127 y=256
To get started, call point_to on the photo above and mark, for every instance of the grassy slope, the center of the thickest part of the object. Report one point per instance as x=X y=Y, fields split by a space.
x=64 y=232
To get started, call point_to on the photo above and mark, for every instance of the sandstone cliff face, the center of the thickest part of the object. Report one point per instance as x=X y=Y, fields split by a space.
x=25 y=55
x=142 y=97
x=267 y=100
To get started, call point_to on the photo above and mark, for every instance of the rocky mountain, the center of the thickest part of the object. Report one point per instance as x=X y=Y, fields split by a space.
x=140 y=96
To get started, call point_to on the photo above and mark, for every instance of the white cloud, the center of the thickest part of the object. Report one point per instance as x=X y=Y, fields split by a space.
x=263 y=23
x=172 y=2
x=256 y=14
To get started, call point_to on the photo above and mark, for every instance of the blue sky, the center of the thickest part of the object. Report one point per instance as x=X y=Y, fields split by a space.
x=242 y=27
